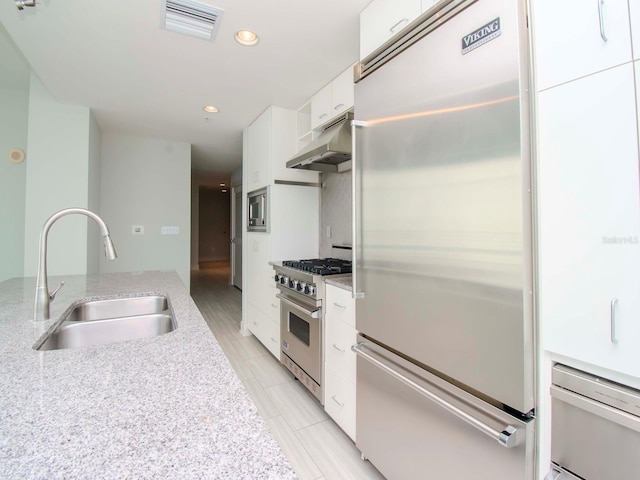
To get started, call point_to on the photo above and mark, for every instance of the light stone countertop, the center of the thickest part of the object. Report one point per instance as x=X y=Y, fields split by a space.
x=167 y=407
x=346 y=283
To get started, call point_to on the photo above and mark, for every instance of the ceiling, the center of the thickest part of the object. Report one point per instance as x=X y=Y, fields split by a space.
x=140 y=79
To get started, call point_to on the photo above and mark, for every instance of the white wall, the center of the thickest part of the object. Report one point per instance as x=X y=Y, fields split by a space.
x=57 y=170
x=94 y=245
x=146 y=182
x=14 y=106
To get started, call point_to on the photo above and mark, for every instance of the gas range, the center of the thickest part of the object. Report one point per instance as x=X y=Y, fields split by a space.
x=304 y=277
x=301 y=287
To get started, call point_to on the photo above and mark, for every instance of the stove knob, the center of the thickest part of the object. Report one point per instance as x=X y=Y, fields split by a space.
x=293 y=284
x=310 y=289
x=284 y=280
x=301 y=286
x=276 y=277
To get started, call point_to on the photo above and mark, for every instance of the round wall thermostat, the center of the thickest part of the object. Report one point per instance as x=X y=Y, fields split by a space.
x=16 y=155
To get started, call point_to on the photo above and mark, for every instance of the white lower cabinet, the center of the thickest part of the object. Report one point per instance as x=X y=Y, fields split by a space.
x=589 y=220
x=340 y=361
x=264 y=329
x=340 y=401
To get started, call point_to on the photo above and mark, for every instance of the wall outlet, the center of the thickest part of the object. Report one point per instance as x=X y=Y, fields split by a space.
x=137 y=229
x=170 y=230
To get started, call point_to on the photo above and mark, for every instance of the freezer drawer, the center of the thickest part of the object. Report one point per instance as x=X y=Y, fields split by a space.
x=595 y=427
x=410 y=423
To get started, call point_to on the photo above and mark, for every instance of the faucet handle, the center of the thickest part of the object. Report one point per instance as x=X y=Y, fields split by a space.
x=53 y=295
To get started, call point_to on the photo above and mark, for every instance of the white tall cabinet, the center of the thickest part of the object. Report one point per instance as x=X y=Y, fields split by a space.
x=293 y=219
x=588 y=177
x=588 y=196
x=590 y=220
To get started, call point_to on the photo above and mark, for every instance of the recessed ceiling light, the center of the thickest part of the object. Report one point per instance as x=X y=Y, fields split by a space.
x=210 y=109
x=246 y=37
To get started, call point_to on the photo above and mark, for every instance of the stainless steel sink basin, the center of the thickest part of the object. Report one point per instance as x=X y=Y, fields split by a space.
x=96 y=322
x=117 y=307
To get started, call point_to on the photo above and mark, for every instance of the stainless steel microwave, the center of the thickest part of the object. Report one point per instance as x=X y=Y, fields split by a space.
x=258 y=210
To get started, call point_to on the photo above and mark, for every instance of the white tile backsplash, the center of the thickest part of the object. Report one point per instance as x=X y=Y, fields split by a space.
x=335 y=214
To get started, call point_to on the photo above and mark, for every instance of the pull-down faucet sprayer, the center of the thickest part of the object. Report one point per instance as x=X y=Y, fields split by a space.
x=43 y=297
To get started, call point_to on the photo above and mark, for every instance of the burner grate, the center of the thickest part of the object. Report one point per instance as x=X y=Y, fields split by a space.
x=320 y=266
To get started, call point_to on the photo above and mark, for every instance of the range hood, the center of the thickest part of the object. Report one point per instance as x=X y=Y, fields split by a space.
x=330 y=152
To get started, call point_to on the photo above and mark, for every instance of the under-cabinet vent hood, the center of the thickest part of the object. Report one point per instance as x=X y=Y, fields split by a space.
x=328 y=152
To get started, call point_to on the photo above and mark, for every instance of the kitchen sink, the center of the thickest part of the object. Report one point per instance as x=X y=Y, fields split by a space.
x=97 y=322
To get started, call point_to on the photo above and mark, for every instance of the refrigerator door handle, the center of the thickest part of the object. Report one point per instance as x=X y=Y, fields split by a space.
x=508 y=437
x=354 y=207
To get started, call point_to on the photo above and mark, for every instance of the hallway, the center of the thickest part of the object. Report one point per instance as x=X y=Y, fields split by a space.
x=316 y=448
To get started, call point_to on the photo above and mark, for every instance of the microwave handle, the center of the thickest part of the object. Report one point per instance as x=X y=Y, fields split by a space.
x=262 y=205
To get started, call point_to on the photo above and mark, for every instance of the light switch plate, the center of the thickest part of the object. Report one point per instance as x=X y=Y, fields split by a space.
x=170 y=230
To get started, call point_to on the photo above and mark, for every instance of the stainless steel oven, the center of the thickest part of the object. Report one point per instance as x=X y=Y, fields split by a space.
x=301 y=341
x=301 y=287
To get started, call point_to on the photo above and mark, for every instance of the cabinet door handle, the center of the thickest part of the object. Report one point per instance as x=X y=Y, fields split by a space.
x=274 y=305
x=339 y=106
x=340 y=404
x=339 y=306
x=322 y=116
x=341 y=350
x=614 y=311
x=399 y=25
x=601 y=18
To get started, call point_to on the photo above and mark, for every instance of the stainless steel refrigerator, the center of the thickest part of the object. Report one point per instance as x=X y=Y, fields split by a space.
x=443 y=247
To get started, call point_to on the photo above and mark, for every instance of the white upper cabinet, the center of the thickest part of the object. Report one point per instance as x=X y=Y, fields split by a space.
x=384 y=18
x=634 y=11
x=271 y=141
x=321 y=107
x=333 y=99
x=258 y=158
x=589 y=220
x=574 y=38
x=342 y=92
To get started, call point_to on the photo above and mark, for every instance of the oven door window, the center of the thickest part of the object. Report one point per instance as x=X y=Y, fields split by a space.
x=299 y=328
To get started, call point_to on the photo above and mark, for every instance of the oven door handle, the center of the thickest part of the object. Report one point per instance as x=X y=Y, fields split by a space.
x=311 y=313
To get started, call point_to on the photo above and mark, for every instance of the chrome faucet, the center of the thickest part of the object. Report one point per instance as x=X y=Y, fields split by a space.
x=43 y=297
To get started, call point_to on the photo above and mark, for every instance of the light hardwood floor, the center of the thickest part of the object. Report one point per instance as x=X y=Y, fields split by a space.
x=315 y=446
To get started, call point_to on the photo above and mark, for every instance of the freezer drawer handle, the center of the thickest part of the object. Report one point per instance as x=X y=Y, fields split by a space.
x=508 y=437
x=312 y=314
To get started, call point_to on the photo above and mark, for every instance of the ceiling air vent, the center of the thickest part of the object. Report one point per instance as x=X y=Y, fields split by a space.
x=193 y=18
